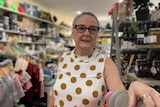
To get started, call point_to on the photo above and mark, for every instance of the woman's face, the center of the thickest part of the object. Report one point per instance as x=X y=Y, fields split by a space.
x=85 y=39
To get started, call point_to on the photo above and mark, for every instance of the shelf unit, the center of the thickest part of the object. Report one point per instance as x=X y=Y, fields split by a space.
x=39 y=36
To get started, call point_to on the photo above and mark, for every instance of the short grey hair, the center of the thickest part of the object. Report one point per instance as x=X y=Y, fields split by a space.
x=84 y=13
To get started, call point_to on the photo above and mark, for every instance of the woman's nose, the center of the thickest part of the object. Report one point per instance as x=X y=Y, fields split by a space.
x=87 y=31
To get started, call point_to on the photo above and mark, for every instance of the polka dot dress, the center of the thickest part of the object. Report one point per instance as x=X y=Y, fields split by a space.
x=80 y=81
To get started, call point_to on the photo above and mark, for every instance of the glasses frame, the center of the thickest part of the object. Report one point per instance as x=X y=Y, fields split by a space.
x=89 y=29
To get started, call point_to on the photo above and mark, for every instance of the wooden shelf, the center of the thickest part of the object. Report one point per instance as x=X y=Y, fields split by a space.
x=149 y=81
x=148 y=46
x=133 y=51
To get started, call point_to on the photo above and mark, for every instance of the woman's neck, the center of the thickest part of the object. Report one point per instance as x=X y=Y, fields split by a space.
x=83 y=52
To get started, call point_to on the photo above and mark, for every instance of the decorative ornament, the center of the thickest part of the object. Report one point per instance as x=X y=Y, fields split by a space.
x=20 y=9
x=14 y=7
x=1 y=2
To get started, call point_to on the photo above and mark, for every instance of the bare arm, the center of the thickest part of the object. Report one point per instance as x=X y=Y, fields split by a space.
x=112 y=76
x=51 y=100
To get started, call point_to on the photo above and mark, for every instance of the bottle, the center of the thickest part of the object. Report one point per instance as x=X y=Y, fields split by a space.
x=145 y=31
x=140 y=34
x=158 y=12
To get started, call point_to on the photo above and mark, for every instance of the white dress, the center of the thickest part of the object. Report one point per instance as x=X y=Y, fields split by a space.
x=80 y=81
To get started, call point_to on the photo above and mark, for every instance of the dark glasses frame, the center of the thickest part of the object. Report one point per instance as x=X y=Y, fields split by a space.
x=83 y=28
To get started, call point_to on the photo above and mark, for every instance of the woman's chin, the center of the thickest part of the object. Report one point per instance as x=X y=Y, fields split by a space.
x=86 y=47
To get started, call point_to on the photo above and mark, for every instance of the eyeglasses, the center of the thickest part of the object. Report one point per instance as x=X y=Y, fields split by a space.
x=82 y=29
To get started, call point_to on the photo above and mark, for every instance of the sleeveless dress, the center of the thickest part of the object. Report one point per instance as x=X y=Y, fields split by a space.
x=80 y=81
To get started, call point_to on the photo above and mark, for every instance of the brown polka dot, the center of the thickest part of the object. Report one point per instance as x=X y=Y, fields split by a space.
x=88 y=82
x=69 y=53
x=73 y=79
x=103 y=88
x=61 y=103
x=86 y=61
x=60 y=76
x=69 y=97
x=61 y=59
x=95 y=94
x=83 y=75
x=72 y=60
x=78 y=90
x=68 y=73
x=76 y=67
x=85 y=101
x=63 y=86
x=99 y=75
x=81 y=61
x=101 y=60
x=90 y=56
x=76 y=56
x=92 y=67
x=55 y=92
x=65 y=65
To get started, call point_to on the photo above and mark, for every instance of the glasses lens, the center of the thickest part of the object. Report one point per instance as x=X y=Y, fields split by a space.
x=80 y=28
x=93 y=29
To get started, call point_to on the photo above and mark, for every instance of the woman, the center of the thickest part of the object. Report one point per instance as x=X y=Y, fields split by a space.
x=84 y=74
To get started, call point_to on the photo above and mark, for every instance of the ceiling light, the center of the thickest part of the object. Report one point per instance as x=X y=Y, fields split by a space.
x=121 y=1
x=78 y=12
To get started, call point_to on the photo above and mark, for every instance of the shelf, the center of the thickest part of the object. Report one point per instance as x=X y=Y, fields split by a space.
x=29 y=43
x=37 y=43
x=23 y=14
x=106 y=30
x=133 y=51
x=9 y=31
x=35 y=18
x=155 y=29
x=51 y=37
x=17 y=32
x=148 y=46
x=105 y=36
x=148 y=81
x=3 y=41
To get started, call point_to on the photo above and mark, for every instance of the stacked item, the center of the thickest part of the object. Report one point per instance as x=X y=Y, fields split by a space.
x=147 y=68
x=50 y=72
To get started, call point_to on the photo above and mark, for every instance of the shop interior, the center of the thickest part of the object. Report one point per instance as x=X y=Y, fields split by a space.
x=37 y=31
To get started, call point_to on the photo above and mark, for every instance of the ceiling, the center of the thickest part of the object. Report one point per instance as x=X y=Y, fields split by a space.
x=69 y=7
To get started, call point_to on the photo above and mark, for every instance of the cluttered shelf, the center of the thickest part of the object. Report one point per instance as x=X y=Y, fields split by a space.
x=148 y=46
x=149 y=81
